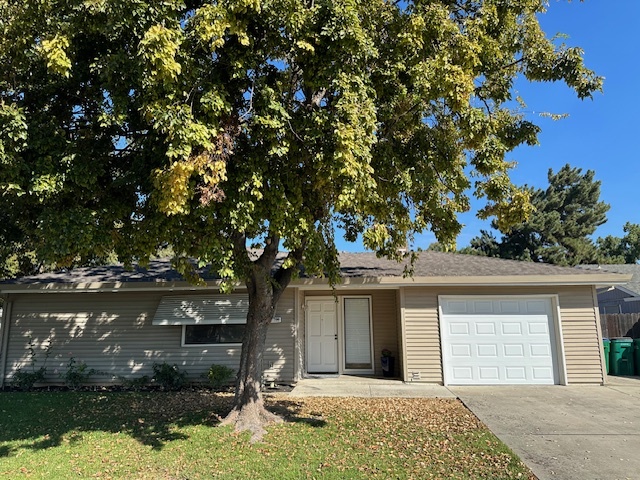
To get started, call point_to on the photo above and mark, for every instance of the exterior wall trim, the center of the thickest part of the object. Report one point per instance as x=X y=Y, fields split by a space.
x=403 y=336
x=600 y=279
x=603 y=364
x=5 y=327
x=297 y=350
x=562 y=358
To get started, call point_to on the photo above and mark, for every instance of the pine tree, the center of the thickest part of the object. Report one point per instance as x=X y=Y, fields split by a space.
x=566 y=213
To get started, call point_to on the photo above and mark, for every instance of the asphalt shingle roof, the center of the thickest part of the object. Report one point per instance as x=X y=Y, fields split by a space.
x=629 y=269
x=438 y=264
x=428 y=264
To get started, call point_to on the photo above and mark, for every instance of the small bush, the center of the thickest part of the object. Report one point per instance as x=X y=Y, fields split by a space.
x=169 y=377
x=77 y=374
x=219 y=376
x=26 y=380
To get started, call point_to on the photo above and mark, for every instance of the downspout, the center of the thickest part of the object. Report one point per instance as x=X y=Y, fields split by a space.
x=4 y=335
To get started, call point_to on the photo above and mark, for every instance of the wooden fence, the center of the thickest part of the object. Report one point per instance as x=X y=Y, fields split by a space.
x=620 y=325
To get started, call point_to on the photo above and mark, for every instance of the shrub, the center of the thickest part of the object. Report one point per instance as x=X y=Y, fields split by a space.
x=169 y=377
x=25 y=380
x=77 y=373
x=219 y=375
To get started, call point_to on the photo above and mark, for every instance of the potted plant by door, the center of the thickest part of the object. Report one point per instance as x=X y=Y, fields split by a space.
x=388 y=363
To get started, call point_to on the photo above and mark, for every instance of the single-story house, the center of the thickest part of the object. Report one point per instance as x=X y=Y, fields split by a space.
x=459 y=320
x=618 y=298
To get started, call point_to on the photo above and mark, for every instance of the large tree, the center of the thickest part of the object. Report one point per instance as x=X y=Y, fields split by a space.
x=566 y=213
x=232 y=130
x=625 y=249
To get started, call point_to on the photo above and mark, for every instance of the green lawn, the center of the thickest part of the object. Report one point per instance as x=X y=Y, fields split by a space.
x=158 y=435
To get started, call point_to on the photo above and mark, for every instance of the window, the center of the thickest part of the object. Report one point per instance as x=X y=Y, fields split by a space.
x=205 y=319
x=213 y=334
x=357 y=334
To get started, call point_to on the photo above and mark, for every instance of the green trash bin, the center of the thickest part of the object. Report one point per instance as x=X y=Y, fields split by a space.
x=636 y=351
x=607 y=347
x=621 y=356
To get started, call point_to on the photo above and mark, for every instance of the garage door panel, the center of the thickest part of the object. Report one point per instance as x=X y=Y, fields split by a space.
x=463 y=373
x=458 y=307
x=461 y=351
x=489 y=373
x=508 y=307
x=515 y=373
x=485 y=328
x=459 y=328
x=511 y=328
x=538 y=327
x=537 y=307
x=513 y=350
x=543 y=373
x=490 y=351
x=483 y=306
x=540 y=350
x=497 y=341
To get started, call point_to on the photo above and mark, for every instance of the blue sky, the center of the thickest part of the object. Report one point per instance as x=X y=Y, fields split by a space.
x=598 y=134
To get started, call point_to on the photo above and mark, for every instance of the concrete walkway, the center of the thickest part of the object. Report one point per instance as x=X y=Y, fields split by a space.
x=349 y=386
x=565 y=432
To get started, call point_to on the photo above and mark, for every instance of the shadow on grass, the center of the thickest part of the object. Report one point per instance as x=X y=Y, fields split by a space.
x=289 y=411
x=47 y=419
x=41 y=420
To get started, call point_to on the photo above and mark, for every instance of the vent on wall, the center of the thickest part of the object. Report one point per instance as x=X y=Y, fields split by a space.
x=415 y=376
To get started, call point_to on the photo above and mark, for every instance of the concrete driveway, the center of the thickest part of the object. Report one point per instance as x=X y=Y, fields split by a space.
x=566 y=432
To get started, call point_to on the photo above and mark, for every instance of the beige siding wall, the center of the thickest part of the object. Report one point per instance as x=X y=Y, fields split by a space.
x=580 y=334
x=578 y=319
x=384 y=319
x=422 y=335
x=279 y=350
x=112 y=333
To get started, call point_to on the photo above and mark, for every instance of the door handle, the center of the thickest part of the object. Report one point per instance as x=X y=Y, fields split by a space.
x=336 y=336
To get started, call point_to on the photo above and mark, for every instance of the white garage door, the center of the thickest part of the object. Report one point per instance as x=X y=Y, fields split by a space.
x=489 y=341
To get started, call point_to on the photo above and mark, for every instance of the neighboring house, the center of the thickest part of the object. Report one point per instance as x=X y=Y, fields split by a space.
x=459 y=320
x=618 y=298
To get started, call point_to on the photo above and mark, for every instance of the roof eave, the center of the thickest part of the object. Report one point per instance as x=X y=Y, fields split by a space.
x=347 y=282
x=482 y=280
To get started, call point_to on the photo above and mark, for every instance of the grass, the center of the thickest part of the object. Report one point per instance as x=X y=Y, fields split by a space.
x=174 y=435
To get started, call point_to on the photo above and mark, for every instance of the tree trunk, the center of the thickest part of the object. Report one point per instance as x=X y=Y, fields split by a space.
x=249 y=412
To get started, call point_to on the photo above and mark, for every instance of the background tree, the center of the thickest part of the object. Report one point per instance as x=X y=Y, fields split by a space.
x=558 y=231
x=232 y=130
x=625 y=249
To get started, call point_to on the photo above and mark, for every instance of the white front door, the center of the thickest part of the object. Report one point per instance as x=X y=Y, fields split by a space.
x=498 y=340
x=322 y=336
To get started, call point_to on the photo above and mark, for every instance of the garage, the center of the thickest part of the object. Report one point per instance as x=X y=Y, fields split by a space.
x=499 y=340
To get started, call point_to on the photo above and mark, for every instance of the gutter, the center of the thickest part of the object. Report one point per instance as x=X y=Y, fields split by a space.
x=323 y=283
